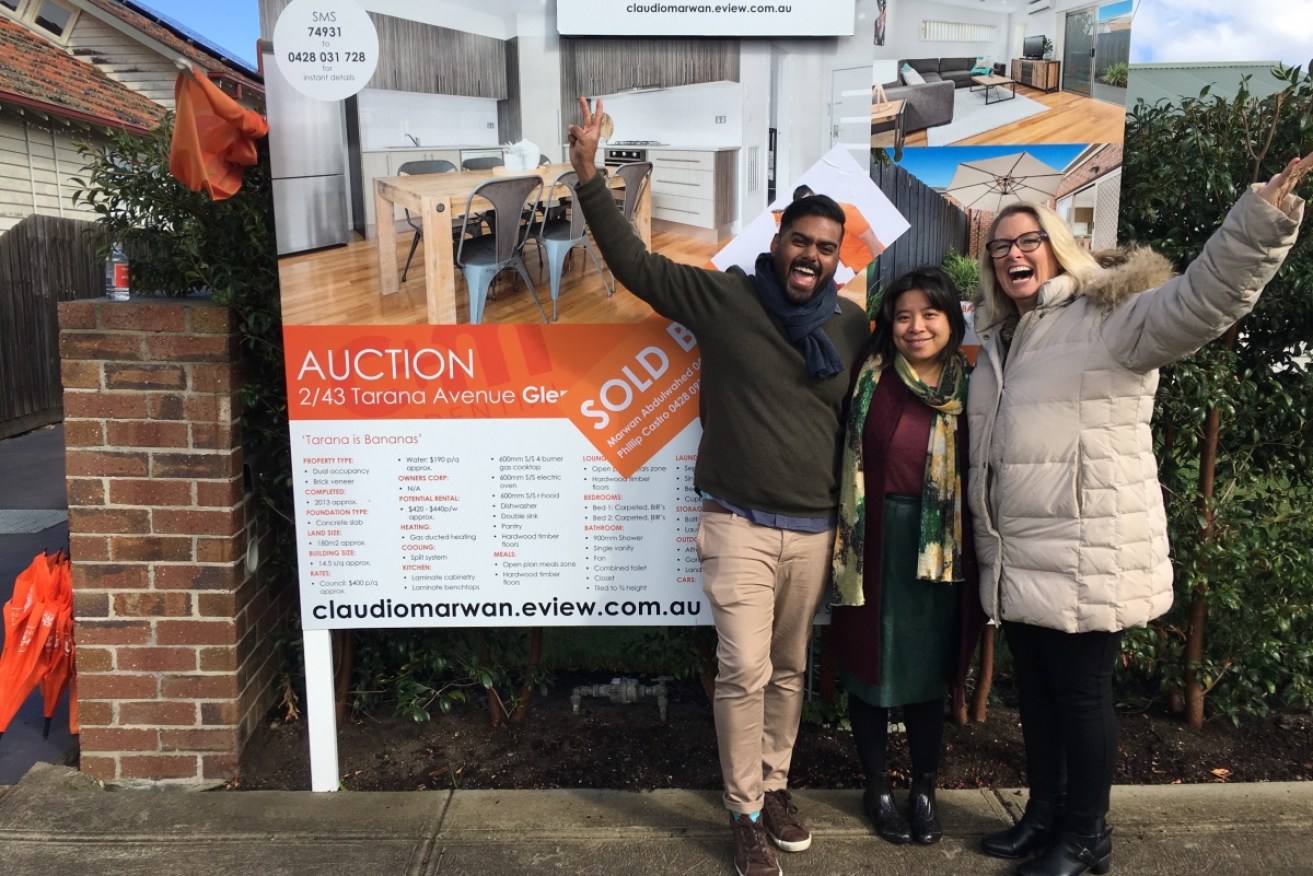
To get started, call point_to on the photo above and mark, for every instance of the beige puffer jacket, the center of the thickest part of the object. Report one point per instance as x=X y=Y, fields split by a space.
x=1070 y=528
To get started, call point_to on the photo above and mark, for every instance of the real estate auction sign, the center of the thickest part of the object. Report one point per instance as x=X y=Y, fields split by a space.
x=495 y=475
x=530 y=474
x=796 y=18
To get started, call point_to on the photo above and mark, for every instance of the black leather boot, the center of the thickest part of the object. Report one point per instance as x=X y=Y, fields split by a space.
x=1033 y=832
x=922 y=815
x=1074 y=854
x=878 y=804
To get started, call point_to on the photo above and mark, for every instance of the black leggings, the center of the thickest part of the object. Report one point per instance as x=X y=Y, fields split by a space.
x=1068 y=717
x=925 y=734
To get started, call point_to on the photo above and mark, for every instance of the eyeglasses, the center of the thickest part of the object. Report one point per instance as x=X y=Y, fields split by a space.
x=999 y=248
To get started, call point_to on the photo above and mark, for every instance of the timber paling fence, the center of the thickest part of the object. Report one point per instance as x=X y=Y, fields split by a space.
x=937 y=225
x=43 y=260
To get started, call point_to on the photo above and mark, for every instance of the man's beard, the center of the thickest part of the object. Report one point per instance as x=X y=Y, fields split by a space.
x=797 y=296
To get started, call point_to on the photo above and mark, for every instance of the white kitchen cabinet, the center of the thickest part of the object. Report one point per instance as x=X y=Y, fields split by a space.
x=695 y=188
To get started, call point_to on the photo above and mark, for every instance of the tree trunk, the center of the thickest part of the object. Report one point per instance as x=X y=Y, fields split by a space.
x=344 y=648
x=496 y=711
x=526 y=693
x=1194 y=631
x=985 y=680
x=829 y=668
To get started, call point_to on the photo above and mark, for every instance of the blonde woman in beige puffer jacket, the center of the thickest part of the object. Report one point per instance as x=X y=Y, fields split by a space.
x=1070 y=530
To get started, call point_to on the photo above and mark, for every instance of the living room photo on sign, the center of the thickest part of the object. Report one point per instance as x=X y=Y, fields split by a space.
x=985 y=74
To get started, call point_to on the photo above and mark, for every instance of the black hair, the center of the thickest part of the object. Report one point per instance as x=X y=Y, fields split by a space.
x=802 y=191
x=941 y=292
x=816 y=205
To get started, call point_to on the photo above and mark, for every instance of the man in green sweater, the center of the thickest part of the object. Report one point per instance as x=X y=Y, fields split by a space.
x=776 y=347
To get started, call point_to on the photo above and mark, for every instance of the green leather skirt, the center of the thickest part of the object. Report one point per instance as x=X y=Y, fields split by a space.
x=918 y=619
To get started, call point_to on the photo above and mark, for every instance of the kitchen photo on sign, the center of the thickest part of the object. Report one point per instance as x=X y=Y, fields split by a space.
x=441 y=192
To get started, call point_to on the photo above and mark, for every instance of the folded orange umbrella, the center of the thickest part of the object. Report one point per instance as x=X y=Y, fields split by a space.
x=213 y=136
x=57 y=669
x=33 y=618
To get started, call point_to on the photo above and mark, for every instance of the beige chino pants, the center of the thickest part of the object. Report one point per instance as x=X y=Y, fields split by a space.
x=764 y=586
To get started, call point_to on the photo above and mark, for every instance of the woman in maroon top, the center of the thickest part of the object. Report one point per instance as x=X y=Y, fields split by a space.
x=904 y=622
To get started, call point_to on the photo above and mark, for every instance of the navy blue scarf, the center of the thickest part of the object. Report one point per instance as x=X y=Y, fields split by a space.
x=803 y=322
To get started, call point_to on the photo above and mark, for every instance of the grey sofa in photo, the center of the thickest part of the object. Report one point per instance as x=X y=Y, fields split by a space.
x=955 y=70
x=929 y=104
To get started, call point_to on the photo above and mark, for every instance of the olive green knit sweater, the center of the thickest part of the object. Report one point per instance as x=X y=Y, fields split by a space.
x=770 y=431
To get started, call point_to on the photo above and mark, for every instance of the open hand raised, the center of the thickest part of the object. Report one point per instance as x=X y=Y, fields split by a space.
x=1284 y=183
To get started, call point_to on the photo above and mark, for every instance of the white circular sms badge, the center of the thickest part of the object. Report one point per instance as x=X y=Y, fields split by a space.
x=326 y=49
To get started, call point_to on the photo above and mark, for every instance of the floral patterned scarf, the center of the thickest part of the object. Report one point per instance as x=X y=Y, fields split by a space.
x=939 y=547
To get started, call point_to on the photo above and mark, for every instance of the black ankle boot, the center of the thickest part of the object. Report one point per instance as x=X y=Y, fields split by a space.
x=1033 y=832
x=878 y=804
x=922 y=814
x=1074 y=854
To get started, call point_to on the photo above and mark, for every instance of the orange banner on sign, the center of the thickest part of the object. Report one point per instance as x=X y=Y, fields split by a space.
x=640 y=395
x=629 y=388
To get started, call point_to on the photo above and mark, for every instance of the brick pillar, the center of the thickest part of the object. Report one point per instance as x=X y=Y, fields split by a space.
x=174 y=662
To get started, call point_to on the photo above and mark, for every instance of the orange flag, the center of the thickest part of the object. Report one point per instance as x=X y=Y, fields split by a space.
x=213 y=137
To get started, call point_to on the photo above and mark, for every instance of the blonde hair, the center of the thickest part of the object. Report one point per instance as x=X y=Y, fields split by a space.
x=1074 y=261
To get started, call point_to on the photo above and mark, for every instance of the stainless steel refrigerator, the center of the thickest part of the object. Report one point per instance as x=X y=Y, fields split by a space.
x=308 y=160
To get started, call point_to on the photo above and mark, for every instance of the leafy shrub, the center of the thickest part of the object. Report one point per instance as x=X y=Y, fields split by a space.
x=964 y=272
x=1231 y=430
x=1115 y=74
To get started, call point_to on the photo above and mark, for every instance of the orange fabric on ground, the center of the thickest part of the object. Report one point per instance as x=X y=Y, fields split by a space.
x=213 y=137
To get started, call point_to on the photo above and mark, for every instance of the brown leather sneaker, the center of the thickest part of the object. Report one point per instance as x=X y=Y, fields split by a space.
x=783 y=822
x=753 y=855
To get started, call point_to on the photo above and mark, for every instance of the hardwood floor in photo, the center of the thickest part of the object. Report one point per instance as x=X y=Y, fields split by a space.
x=341 y=287
x=1071 y=119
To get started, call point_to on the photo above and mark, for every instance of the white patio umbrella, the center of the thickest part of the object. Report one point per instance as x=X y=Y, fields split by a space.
x=990 y=184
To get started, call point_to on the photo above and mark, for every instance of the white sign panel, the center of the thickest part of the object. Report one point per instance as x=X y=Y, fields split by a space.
x=787 y=19
x=326 y=49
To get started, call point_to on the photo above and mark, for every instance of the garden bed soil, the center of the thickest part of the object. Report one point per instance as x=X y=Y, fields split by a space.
x=610 y=745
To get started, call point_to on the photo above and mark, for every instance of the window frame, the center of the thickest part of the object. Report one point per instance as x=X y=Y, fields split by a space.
x=27 y=13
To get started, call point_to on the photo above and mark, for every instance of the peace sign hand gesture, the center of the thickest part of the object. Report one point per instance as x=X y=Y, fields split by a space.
x=583 y=140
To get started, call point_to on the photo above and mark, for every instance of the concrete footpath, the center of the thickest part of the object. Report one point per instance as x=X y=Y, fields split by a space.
x=58 y=821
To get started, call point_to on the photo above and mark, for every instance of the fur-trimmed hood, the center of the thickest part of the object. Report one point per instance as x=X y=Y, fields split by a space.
x=1127 y=271
x=1124 y=272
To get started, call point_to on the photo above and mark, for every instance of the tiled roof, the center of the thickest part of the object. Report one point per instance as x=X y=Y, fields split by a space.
x=35 y=73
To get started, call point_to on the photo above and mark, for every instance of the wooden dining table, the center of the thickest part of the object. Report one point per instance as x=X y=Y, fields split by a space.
x=434 y=199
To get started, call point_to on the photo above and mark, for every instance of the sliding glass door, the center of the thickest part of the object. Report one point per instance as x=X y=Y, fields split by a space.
x=1078 y=52
x=1096 y=49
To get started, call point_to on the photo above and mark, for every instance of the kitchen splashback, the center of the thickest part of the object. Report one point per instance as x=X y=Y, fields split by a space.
x=386 y=117
x=685 y=115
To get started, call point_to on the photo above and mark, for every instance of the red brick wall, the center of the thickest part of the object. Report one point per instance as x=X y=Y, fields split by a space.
x=1105 y=159
x=174 y=663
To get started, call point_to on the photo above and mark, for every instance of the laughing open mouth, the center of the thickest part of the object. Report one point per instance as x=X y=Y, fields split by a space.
x=1020 y=272
x=804 y=273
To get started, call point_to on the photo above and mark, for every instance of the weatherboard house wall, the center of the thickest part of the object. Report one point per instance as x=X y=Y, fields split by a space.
x=175 y=613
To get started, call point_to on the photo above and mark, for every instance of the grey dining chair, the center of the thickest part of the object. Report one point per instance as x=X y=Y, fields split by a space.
x=482 y=258
x=558 y=235
x=487 y=162
x=637 y=176
x=415 y=168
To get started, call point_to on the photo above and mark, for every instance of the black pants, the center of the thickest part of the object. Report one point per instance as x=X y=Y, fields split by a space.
x=925 y=735
x=1068 y=717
